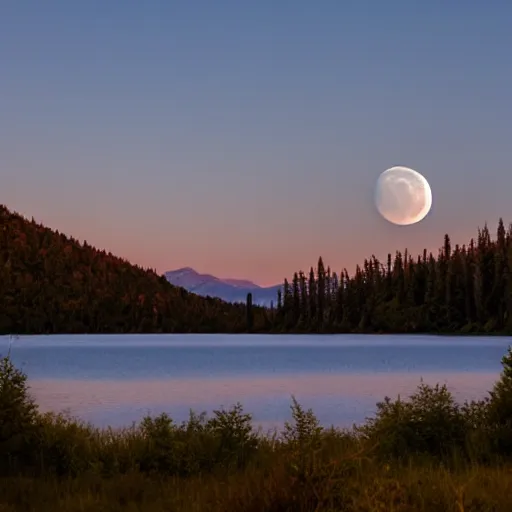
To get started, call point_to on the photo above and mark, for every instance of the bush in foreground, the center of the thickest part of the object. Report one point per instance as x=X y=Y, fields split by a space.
x=18 y=416
x=401 y=459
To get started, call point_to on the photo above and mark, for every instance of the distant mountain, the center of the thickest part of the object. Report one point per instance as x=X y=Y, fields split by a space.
x=241 y=283
x=230 y=290
x=53 y=284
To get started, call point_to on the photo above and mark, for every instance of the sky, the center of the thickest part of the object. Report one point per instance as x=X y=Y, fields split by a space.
x=244 y=139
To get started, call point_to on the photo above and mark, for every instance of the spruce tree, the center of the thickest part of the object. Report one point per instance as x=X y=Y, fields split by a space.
x=321 y=293
x=249 y=312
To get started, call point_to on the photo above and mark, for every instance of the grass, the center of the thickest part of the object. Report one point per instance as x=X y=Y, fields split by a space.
x=374 y=489
x=426 y=453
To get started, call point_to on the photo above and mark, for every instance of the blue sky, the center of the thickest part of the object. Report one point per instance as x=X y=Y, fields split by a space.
x=244 y=138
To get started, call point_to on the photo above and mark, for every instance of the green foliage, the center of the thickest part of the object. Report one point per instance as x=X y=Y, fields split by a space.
x=18 y=414
x=64 y=446
x=232 y=430
x=160 y=449
x=500 y=408
x=226 y=440
x=430 y=423
x=400 y=460
x=304 y=431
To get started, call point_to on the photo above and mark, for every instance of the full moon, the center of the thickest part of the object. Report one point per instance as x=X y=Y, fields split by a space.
x=403 y=196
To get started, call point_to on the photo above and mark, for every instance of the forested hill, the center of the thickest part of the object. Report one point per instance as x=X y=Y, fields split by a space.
x=462 y=289
x=50 y=283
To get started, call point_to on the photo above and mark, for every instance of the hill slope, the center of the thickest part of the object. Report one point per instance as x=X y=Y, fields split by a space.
x=50 y=283
x=230 y=290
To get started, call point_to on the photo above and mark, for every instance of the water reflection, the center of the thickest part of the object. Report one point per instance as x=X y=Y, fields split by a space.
x=338 y=399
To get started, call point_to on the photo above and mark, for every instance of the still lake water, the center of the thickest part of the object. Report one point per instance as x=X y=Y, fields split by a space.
x=114 y=380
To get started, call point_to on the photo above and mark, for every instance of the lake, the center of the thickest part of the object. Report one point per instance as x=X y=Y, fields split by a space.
x=116 y=379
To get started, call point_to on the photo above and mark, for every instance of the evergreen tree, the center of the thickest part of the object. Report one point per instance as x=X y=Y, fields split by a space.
x=466 y=288
x=312 y=296
x=249 y=312
x=304 y=303
x=321 y=295
x=295 y=299
x=50 y=283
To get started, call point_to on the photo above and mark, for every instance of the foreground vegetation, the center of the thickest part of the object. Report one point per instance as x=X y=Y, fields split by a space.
x=427 y=453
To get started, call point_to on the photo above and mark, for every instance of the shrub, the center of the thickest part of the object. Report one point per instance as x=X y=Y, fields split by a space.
x=430 y=423
x=224 y=441
x=158 y=451
x=499 y=409
x=478 y=435
x=18 y=413
x=232 y=430
x=66 y=447
x=305 y=430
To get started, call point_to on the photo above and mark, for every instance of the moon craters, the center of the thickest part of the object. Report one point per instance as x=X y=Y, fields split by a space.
x=403 y=196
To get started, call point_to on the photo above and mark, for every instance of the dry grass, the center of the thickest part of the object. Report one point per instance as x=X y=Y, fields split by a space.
x=371 y=489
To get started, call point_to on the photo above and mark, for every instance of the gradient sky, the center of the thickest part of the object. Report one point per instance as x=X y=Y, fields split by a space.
x=244 y=138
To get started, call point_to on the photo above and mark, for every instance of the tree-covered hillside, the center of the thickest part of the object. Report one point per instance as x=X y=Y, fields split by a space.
x=50 y=283
x=462 y=289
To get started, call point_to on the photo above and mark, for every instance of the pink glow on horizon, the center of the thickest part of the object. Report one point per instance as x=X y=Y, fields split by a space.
x=79 y=396
x=266 y=261
x=242 y=146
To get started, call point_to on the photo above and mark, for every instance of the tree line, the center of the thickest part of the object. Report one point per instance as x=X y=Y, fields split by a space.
x=51 y=283
x=462 y=289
